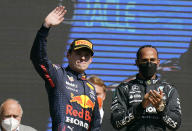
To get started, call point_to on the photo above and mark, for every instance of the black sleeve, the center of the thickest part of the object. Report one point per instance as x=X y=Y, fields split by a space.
x=39 y=57
x=172 y=114
x=122 y=113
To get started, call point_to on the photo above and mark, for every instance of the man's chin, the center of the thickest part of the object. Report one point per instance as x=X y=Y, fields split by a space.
x=81 y=69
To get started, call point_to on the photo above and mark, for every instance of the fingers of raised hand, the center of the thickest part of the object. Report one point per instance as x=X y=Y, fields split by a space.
x=63 y=11
x=59 y=11
x=61 y=16
x=56 y=16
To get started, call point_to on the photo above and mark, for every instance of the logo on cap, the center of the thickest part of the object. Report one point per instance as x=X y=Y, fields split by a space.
x=83 y=43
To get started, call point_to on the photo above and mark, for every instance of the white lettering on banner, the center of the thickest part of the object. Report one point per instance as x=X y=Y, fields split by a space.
x=76 y=122
x=170 y=121
x=125 y=120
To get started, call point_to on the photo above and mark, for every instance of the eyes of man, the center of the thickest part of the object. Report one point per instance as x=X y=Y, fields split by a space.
x=148 y=60
x=81 y=53
x=14 y=116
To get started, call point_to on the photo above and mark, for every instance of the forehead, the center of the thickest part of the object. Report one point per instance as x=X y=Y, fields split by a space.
x=12 y=108
x=148 y=52
x=83 y=50
x=99 y=89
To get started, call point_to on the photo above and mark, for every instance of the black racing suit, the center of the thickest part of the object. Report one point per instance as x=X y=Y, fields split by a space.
x=72 y=99
x=127 y=110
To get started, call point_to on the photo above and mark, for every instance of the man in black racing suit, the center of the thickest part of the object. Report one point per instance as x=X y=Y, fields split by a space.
x=72 y=99
x=146 y=103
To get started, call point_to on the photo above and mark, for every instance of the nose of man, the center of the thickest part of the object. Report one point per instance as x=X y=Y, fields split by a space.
x=82 y=57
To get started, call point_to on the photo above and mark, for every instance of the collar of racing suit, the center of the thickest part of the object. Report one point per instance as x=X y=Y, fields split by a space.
x=76 y=74
x=147 y=82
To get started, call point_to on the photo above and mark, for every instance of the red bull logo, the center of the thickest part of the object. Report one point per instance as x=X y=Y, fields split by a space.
x=76 y=113
x=83 y=100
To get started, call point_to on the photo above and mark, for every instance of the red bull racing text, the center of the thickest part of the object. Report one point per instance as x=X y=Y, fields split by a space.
x=75 y=115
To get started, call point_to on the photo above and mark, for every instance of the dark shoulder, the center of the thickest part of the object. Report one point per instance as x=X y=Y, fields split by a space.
x=166 y=86
x=57 y=66
x=125 y=85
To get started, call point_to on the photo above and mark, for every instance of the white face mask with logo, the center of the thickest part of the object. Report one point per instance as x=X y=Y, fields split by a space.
x=10 y=124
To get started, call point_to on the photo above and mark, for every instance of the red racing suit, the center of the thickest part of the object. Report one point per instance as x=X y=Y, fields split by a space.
x=127 y=110
x=72 y=99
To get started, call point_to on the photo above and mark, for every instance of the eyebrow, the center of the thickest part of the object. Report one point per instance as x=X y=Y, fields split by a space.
x=151 y=59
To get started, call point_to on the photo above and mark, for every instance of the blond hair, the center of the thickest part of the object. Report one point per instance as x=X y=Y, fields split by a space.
x=97 y=81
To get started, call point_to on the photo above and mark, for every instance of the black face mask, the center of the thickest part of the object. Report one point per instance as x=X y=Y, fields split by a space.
x=147 y=69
